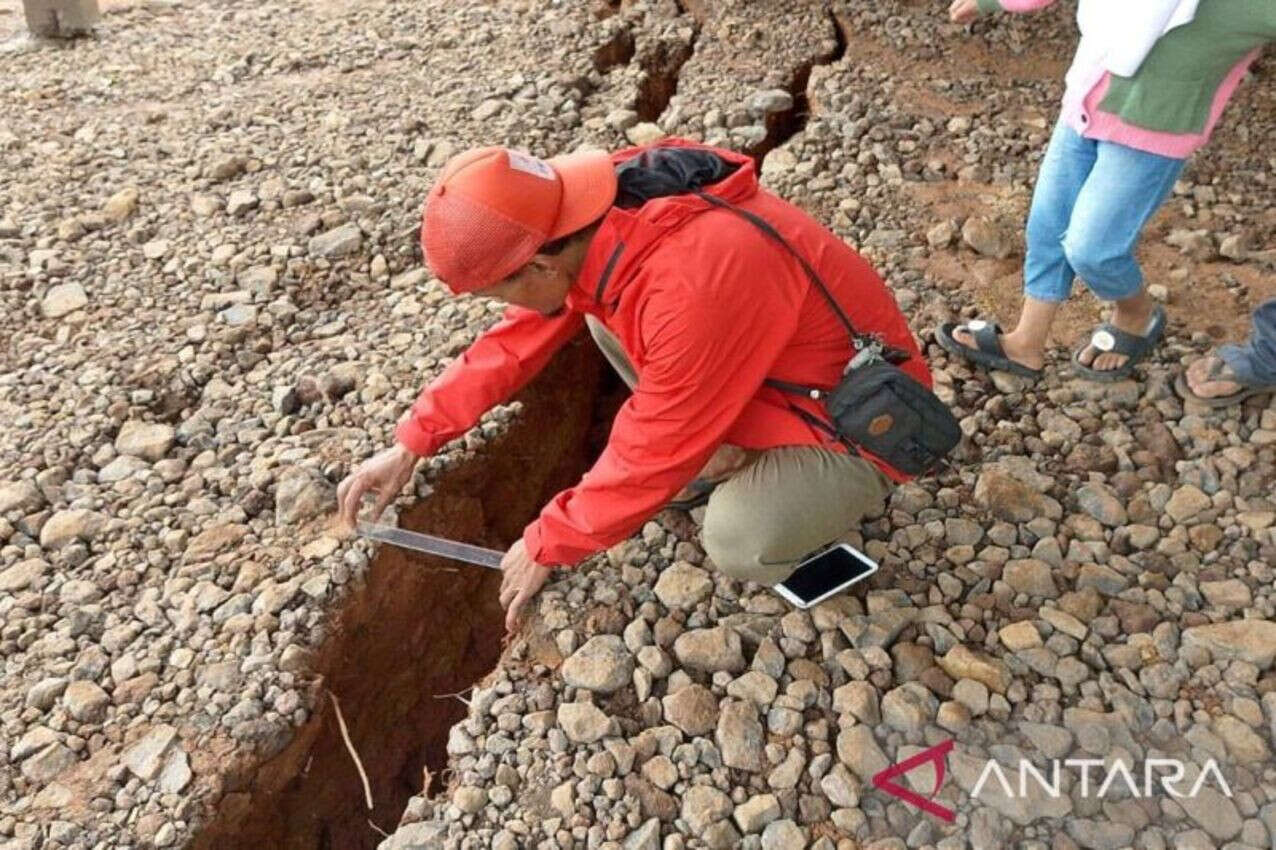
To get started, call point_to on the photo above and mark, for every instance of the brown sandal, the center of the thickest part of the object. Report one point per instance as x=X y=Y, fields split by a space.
x=1219 y=370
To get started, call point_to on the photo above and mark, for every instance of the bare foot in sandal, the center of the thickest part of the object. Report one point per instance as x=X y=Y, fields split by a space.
x=1016 y=345
x=1132 y=316
x=1212 y=382
x=1129 y=348
x=1210 y=377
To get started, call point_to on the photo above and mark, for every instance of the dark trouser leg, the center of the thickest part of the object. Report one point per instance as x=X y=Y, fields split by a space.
x=1254 y=361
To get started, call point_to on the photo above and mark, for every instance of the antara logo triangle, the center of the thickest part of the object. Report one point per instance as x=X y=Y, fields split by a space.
x=936 y=755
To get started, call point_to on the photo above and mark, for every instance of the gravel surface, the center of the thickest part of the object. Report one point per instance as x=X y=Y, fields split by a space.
x=212 y=304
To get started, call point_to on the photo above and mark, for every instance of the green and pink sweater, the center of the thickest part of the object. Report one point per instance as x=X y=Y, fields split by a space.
x=1169 y=106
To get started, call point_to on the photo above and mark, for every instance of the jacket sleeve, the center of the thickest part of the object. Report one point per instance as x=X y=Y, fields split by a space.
x=495 y=367
x=989 y=6
x=704 y=362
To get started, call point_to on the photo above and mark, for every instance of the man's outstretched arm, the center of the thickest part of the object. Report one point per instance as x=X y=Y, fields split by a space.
x=705 y=361
x=495 y=367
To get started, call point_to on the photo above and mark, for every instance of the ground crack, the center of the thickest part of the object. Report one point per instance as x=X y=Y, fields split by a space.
x=616 y=51
x=785 y=124
x=390 y=662
x=661 y=66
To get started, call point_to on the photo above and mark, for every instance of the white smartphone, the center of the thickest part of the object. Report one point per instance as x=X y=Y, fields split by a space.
x=826 y=574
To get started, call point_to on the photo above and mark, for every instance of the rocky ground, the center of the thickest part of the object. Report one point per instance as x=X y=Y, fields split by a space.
x=213 y=305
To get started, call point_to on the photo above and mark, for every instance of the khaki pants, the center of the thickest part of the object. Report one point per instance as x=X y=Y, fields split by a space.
x=785 y=504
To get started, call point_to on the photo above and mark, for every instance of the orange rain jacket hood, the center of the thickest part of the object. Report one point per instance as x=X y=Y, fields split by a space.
x=707 y=307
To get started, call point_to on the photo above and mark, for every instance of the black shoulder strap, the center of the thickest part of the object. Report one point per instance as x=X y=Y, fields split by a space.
x=815 y=421
x=858 y=340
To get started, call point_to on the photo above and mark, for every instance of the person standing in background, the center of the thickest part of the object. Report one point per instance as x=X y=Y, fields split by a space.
x=1145 y=90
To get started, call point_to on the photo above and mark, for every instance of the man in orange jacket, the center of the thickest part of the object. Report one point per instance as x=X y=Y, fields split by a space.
x=696 y=307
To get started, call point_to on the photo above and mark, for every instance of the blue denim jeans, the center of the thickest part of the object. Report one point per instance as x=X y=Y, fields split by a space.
x=1254 y=361
x=1090 y=205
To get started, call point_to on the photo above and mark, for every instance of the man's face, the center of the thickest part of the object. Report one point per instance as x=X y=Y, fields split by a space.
x=539 y=286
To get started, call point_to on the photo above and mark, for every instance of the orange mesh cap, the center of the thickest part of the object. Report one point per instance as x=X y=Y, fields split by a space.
x=492 y=209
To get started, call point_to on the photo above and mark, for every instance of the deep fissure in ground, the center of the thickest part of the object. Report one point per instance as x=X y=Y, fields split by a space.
x=422 y=629
x=784 y=125
x=419 y=629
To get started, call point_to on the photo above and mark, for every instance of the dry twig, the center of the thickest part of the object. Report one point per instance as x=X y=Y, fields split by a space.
x=427 y=778
x=345 y=736
x=457 y=695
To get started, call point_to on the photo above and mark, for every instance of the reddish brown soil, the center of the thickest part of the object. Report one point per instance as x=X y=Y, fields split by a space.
x=1200 y=301
x=418 y=630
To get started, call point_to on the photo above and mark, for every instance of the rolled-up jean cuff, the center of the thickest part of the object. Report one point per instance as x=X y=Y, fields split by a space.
x=1109 y=293
x=1049 y=296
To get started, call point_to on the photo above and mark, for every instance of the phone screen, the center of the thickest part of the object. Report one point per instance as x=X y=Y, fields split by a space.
x=827 y=571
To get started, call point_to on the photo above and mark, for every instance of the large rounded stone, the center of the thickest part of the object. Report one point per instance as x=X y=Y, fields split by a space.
x=603 y=664
x=683 y=585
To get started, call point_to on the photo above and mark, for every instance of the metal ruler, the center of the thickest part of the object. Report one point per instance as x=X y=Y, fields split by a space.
x=431 y=545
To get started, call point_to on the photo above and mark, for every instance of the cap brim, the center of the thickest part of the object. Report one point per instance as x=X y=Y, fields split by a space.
x=589 y=189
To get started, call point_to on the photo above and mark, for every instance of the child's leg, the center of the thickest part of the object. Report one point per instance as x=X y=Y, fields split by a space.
x=1124 y=190
x=1047 y=274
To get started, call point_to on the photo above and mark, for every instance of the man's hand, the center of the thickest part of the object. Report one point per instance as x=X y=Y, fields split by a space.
x=384 y=474
x=963 y=11
x=523 y=577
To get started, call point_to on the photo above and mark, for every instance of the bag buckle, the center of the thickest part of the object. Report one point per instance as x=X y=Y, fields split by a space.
x=869 y=352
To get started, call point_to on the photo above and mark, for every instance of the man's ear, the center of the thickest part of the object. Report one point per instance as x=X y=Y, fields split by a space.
x=549 y=266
